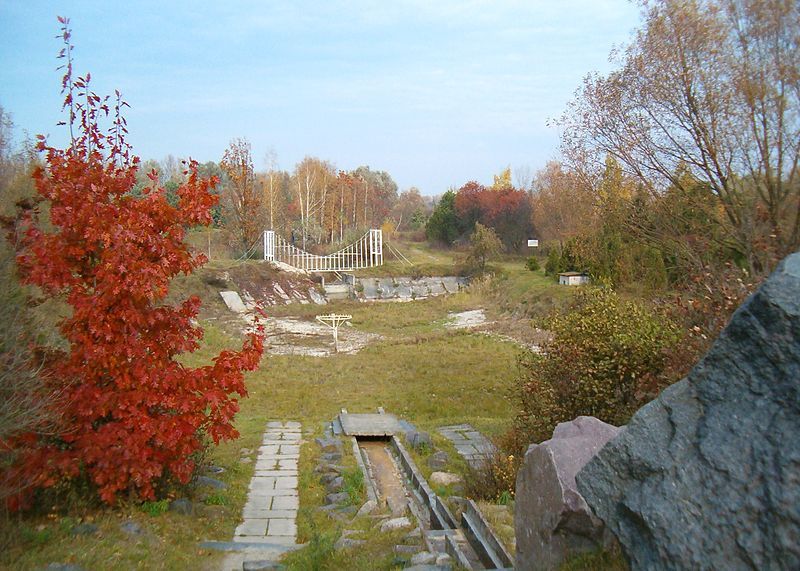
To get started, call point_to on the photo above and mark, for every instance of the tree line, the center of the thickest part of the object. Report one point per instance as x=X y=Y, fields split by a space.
x=684 y=160
x=315 y=204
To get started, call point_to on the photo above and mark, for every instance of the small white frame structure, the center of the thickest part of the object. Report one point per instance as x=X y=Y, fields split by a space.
x=334 y=320
x=366 y=252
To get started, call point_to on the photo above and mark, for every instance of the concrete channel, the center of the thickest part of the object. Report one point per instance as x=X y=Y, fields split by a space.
x=393 y=479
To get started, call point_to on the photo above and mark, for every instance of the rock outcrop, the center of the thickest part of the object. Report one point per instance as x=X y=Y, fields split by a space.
x=551 y=518
x=707 y=476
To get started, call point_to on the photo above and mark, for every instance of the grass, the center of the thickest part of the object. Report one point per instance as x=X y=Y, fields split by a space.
x=418 y=370
x=597 y=561
x=522 y=292
x=354 y=486
x=501 y=519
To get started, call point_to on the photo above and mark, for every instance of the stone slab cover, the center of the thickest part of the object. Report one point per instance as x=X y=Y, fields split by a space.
x=233 y=301
x=551 y=519
x=369 y=424
x=707 y=476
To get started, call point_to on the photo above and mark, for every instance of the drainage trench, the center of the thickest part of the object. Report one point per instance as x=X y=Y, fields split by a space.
x=393 y=482
x=399 y=486
x=383 y=473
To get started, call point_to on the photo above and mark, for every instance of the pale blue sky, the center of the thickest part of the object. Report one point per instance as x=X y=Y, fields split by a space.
x=436 y=93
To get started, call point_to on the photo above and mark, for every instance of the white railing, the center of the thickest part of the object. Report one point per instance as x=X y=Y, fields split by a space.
x=366 y=252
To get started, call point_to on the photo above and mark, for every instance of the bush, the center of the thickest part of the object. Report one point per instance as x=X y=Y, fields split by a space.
x=603 y=348
x=551 y=266
x=495 y=479
x=533 y=264
x=132 y=415
x=484 y=246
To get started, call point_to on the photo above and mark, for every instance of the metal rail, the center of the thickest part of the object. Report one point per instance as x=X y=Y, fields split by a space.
x=366 y=252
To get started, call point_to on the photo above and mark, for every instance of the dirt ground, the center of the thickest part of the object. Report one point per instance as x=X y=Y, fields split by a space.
x=513 y=329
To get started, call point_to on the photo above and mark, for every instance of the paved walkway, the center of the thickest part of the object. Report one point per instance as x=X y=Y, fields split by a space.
x=470 y=443
x=269 y=528
x=272 y=502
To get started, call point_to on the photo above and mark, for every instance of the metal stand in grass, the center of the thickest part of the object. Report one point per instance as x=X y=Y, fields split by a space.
x=334 y=320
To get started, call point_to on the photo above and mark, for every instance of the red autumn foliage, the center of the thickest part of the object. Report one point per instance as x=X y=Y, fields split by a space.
x=132 y=415
x=505 y=209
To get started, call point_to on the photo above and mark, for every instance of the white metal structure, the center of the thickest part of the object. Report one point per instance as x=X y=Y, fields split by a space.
x=366 y=252
x=334 y=320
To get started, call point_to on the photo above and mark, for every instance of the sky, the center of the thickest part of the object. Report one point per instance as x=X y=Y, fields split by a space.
x=434 y=92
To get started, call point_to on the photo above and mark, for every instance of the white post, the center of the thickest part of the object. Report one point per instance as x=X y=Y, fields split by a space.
x=380 y=247
x=269 y=245
x=373 y=248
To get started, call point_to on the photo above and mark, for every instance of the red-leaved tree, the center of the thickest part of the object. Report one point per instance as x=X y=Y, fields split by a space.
x=132 y=416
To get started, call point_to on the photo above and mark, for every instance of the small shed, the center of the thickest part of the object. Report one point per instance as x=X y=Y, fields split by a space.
x=573 y=278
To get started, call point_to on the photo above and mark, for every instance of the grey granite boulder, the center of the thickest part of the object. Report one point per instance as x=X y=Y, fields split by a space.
x=335 y=485
x=551 y=519
x=329 y=444
x=337 y=498
x=182 y=506
x=131 y=527
x=205 y=481
x=707 y=476
x=438 y=460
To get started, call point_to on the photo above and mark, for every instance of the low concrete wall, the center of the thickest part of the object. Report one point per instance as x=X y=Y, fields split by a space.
x=491 y=551
x=406 y=288
x=441 y=518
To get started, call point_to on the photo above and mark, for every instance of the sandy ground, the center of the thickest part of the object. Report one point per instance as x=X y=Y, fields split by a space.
x=294 y=336
x=466 y=319
x=514 y=330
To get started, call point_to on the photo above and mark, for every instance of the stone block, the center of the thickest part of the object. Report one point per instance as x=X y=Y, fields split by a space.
x=284 y=527
x=257 y=527
x=286 y=483
x=419 y=440
x=438 y=460
x=445 y=478
x=423 y=558
x=285 y=503
x=551 y=519
x=395 y=523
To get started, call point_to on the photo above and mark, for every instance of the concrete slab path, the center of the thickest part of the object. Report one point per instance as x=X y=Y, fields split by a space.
x=470 y=443
x=269 y=526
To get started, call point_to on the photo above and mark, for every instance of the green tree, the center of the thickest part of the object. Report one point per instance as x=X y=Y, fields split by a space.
x=442 y=226
x=485 y=245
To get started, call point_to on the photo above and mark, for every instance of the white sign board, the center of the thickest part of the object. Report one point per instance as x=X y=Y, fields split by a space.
x=533 y=243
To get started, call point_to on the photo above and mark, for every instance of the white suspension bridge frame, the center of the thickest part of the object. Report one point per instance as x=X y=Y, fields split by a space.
x=366 y=252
